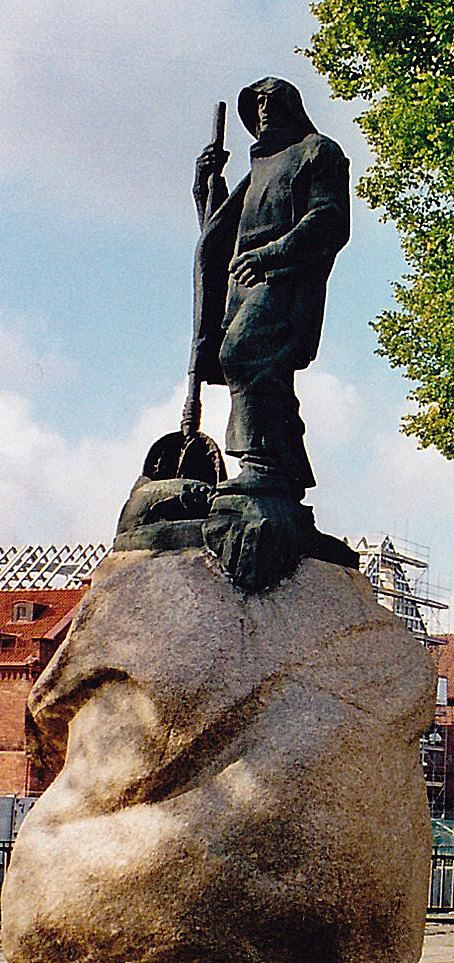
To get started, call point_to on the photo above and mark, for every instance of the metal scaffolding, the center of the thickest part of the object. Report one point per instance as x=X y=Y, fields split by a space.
x=36 y=567
x=433 y=753
x=398 y=573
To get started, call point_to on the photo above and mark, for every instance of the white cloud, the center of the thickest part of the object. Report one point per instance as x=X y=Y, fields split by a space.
x=52 y=489
x=404 y=492
x=104 y=102
x=331 y=408
x=404 y=475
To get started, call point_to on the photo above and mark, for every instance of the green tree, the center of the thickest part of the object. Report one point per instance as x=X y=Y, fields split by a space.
x=398 y=55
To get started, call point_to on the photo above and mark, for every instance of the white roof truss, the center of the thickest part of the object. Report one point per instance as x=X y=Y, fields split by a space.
x=36 y=567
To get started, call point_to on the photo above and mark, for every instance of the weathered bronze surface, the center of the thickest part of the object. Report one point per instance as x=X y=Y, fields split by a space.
x=258 y=539
x=261 y=269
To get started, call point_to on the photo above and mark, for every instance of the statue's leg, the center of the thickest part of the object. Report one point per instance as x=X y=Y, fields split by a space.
x=257 y=357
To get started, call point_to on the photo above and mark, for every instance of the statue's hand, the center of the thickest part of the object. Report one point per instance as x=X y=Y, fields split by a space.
x=211 y=161
x=248 y=268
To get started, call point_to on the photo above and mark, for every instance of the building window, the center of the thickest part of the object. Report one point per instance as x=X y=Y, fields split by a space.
x=23 y=612
x=7 y=641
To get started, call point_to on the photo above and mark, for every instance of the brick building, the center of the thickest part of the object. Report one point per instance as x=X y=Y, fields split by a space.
x=32 y=625
x=40 y=588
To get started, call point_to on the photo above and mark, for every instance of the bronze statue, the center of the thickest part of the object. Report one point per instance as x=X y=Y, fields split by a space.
x=261 y=269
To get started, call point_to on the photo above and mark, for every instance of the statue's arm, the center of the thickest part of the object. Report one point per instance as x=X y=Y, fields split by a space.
x=325 y=228
x=320 y=233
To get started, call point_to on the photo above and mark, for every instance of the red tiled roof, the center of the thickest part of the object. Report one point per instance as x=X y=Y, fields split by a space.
x=21 y=653
x=57 y=605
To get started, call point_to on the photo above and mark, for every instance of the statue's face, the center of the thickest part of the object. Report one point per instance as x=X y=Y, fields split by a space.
x=271 y=111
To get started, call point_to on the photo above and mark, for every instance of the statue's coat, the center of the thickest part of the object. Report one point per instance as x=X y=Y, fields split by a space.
x=304 y=254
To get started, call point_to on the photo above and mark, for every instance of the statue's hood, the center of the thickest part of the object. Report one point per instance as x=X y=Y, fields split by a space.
x=247 y=104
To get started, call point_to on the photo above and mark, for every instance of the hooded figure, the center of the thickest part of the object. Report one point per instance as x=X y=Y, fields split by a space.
x=261 y=269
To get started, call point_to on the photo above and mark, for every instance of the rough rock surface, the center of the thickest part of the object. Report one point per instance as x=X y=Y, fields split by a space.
x=241 y=781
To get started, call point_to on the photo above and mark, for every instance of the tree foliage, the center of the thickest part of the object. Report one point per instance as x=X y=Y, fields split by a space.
x=398 y=55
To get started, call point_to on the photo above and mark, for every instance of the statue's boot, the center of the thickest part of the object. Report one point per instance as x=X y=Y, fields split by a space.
x=257 y=478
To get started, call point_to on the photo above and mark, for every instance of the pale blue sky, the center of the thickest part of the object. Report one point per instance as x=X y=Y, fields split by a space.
x=103 y=106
